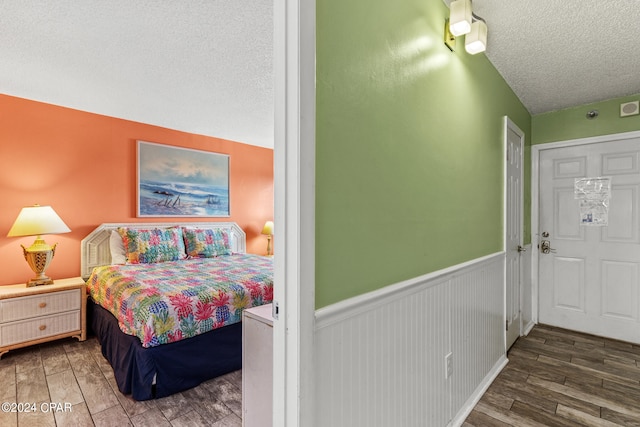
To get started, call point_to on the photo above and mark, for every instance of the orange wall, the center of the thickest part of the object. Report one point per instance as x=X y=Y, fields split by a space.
x=84 y=166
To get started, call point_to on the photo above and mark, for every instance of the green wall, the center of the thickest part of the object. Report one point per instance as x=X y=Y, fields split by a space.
x=409 y=141
x=572 y=123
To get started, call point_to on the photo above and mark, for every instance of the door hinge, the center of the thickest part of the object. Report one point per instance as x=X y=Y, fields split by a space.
x=275 y=310
x=506 y=325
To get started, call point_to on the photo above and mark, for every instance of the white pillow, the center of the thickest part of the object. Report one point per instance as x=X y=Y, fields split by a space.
x=116 y=245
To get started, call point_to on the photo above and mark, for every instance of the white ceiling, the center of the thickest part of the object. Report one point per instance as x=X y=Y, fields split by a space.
x=205 y=66
x=202 y=66
x=557 y=54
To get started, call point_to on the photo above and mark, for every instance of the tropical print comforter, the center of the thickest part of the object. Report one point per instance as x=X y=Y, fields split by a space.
x=169 y=301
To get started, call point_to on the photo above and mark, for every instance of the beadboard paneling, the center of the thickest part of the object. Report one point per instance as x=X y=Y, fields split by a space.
x=380 y=357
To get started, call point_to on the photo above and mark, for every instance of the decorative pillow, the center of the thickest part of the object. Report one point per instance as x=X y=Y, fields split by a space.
x=206 y=242
x=153 y=245
x=116 y=246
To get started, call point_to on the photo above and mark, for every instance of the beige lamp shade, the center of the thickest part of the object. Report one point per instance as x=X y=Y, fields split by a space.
x=37 y=220
x=268 y=228
x=476 y=40
x=460 y=17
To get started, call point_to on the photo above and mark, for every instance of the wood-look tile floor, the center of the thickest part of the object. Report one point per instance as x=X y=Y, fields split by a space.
x=75 y=374
x=557 y=377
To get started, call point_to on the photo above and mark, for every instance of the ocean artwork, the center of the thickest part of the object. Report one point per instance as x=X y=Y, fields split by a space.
x=182 y=182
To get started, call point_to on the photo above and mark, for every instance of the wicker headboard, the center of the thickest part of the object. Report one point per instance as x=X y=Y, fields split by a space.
x=95 y=250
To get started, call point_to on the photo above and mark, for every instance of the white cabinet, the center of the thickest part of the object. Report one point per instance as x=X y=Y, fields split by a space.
x=257 y=366
x=37 y=314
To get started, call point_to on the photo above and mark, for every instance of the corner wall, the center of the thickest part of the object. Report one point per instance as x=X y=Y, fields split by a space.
x=84 y=166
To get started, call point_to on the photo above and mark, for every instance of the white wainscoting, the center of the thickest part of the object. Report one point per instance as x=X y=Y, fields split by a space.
x=380 y=357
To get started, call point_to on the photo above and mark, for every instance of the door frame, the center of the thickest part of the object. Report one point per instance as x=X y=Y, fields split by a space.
x=509 y=124
x=294 y=212
x=535 y=201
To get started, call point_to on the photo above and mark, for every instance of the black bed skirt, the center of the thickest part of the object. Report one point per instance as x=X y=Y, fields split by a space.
x=176 y=366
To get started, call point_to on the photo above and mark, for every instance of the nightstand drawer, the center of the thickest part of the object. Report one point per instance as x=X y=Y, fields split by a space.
x=39 y=305
x=40 y=327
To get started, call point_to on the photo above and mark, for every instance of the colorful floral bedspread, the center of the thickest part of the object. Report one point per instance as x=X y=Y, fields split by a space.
x=169 y=301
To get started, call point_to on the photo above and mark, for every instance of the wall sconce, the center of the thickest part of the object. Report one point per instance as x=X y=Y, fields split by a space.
x=35 y=221
x=462 y=21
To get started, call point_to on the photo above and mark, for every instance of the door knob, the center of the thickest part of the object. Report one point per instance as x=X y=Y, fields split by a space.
x=545 y=247
x=521 y=249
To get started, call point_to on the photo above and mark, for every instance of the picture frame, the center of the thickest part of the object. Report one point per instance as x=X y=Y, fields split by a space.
x=181 y=182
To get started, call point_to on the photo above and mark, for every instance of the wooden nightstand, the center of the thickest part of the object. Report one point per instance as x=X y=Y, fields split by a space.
x=42 y=313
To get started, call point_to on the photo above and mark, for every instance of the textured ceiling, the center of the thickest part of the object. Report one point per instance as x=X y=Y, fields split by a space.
x=202 y=66
x=205 y=66
x=558 y=54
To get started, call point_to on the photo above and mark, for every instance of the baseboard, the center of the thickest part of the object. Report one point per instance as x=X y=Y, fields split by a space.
x=528 y=327
x=466 y=409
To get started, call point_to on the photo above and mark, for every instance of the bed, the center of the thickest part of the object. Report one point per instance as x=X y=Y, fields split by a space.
x=168 y=321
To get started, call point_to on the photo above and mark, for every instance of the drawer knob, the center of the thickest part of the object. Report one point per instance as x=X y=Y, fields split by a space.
x=43 y=304
x=43 y=327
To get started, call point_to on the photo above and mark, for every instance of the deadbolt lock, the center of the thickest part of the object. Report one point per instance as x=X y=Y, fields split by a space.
x=545 y=247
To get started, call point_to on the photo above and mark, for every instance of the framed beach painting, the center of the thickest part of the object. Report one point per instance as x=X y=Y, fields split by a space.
x=184 y=182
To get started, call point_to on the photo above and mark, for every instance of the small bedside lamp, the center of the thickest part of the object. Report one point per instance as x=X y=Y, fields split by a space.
x=35 y=221
x=268 y=231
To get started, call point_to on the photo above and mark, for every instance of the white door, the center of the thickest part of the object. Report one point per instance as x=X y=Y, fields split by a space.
x=588 y=281
x=514 y=141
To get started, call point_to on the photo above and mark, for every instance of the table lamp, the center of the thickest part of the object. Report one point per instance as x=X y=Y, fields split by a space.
x=268 y=230
x=35 y=221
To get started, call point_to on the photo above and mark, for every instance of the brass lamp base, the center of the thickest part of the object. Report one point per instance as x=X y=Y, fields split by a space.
x=38 y=256
x=269 y=251
x=38 y=282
